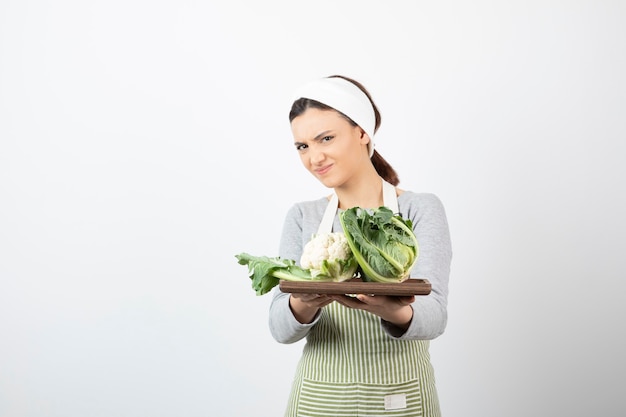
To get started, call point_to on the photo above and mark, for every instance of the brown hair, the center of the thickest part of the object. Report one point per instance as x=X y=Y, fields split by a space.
x=380 y=164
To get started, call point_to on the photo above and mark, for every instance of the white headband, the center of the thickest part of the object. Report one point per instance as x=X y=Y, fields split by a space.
x=345 y=97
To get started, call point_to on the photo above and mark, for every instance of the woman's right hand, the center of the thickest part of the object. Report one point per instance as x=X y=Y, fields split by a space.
x=305 y=306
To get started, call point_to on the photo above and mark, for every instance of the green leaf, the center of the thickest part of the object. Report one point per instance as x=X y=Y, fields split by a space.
x=383 y=243
x=266 y=272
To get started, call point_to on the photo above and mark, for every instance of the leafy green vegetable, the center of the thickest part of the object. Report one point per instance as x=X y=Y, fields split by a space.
x=266 y=272
x=382 y=242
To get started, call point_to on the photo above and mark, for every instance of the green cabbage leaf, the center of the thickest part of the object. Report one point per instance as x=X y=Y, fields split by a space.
x=382 y=242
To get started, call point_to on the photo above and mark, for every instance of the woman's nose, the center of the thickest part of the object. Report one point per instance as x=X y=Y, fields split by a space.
x=316 y=154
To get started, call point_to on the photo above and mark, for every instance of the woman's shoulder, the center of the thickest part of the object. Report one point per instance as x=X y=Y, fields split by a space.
x=418 y=198
x=311 y=204
x=412 y=203
x=306 y=208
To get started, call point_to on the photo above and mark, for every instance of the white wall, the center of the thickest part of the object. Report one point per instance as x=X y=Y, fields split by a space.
x=144 y=143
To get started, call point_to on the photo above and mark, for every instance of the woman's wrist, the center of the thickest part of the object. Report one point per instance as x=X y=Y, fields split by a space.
x=303 y=313
x=400 y=318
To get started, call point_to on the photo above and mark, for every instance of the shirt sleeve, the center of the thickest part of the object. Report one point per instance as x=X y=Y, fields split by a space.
x=283 y=325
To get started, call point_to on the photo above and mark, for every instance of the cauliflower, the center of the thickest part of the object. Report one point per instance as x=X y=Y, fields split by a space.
x=325 y=258
x=329 y=254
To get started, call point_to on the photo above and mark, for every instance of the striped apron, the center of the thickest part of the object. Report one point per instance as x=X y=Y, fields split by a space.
x=351 y=367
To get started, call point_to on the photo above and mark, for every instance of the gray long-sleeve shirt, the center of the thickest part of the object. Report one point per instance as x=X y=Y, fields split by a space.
x=430 y=225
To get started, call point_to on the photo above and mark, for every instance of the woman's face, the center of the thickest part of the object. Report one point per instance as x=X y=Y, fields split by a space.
x=330 y=147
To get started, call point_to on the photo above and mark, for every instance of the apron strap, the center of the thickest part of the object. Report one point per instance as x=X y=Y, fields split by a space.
x=326 y=226
x=390 y=200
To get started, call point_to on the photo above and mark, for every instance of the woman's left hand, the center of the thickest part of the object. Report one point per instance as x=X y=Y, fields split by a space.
x=394 y=309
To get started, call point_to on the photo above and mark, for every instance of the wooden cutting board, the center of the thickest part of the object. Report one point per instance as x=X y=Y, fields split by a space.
x=411 y=286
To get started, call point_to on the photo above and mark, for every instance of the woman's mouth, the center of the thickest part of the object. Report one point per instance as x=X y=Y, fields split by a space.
x=323 y=170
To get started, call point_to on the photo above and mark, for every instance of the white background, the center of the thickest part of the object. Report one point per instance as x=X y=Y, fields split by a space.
x=145 y=143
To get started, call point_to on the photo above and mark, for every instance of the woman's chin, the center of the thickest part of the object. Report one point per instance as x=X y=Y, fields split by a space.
x=327 y=182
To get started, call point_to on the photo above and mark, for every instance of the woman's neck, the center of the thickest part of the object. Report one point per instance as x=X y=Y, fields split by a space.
x=366 y=191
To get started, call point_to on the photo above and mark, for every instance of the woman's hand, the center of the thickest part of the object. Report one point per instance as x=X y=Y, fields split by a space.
x=305 y=306
x=395 y=310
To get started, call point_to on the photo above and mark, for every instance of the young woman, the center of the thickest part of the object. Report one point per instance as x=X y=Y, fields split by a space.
x=365 y=355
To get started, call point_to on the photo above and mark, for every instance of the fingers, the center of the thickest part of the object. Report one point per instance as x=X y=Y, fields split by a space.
x=405 y=300
x=377 y=304
x=313 y=300
x=372 y=300
x=387 y=300
x=360 y=301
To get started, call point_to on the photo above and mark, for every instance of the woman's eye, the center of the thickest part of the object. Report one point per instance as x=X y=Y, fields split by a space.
x=301 y=147
x=327 y=138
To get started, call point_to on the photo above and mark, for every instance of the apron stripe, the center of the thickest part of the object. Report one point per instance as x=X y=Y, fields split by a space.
x=349 y=365
x=327 y=399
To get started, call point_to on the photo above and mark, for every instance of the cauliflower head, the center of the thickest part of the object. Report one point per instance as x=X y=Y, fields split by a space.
x=329 y=255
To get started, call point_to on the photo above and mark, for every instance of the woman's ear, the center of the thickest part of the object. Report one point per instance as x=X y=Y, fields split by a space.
x=365 y=138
